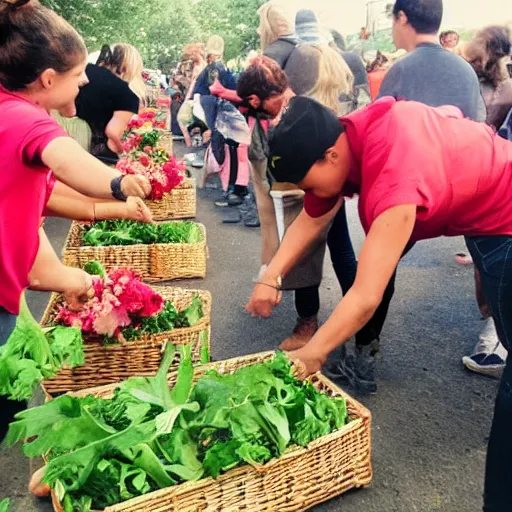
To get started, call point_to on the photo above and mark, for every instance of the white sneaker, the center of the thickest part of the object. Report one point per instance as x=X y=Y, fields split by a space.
x=489 y=355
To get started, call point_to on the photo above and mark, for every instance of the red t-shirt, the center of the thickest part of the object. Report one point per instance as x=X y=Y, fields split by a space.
x=25 y=131
x=458 y=172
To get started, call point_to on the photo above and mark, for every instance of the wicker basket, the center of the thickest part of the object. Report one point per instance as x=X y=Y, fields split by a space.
x=299 y=480
x=155 y=263
x=177 y=204
x=109 y=364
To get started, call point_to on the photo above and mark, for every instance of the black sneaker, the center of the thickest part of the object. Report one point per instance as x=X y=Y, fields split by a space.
x=358 y=369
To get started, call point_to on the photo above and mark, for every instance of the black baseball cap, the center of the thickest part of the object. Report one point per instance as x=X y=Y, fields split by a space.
x=302 y=137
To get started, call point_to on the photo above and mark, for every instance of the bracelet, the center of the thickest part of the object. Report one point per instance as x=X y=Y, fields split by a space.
x=115 y=187
x=269 y=285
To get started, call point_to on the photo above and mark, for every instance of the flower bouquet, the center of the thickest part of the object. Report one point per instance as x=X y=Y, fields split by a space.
x=122 y=301
x=126 y=325
x=164 y=172
x=145 y=155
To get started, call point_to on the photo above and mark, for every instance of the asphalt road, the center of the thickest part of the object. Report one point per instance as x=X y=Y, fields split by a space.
x=431 y=418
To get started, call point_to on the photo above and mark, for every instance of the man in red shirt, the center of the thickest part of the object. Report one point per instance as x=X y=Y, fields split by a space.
x=403 y=159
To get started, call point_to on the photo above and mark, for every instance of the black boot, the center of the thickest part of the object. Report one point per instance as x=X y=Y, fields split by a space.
x=249 y=211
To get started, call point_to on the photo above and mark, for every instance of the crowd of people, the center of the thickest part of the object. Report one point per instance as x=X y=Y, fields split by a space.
x=421 y=139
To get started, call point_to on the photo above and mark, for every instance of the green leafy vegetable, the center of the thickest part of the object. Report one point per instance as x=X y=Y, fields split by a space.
x=127 y=232
x=150 y=435
x=95 y=268
x=167 y=320
x=5 y=504
x=204 y=351
x=33 y=354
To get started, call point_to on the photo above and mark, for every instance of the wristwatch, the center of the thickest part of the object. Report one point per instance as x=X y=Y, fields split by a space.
x=115 y=187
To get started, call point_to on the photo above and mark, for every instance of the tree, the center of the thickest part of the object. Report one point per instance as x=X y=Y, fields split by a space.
x=160 y=28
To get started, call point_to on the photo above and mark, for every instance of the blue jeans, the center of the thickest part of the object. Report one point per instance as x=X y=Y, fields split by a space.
x=8 y=408
x=493 y=258
x=7 y=324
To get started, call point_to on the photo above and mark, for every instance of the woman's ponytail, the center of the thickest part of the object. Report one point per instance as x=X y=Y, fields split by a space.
x=34 y=38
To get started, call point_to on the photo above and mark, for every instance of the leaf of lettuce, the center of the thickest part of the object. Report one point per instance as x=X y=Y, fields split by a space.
x=181 y=451
x=61 y=425
x=310 y=428
x=194 y=312
x=154 y=390
x=145 y=459
x=5 y=504
x=66 y=344
x=221 y=457
x=179 y=395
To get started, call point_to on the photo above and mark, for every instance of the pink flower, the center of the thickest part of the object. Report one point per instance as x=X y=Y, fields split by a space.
x=148 y=150
x=157 y=190
x=109 y=323
x=135 y=122
x=144 y=160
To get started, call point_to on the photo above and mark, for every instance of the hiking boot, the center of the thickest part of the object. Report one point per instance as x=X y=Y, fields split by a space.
x=358 y=369
x=304 y=330
x=489 y=355
x=249 y=212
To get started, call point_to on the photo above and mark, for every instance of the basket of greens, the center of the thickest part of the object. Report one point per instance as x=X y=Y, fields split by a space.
x=124 y=327
x=158 y=252
x=238 y=435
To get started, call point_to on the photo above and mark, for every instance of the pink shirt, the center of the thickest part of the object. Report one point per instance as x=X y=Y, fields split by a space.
x=25 y=131
x=457 y=172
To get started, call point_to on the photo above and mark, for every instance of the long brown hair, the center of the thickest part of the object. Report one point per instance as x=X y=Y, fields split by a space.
x=487 y=53
x=34 y=38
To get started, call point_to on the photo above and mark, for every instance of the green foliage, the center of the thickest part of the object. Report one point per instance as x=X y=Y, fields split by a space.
x=129 y=232
x=150 y=436
x=167 y=320
x=33 y=354
x=160 y=28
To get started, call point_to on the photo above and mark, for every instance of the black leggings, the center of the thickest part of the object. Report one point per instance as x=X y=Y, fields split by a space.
x=307 y=301
x=345 y=266
x=238 y=190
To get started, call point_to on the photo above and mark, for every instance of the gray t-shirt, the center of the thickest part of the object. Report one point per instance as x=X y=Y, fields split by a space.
x=434 y=76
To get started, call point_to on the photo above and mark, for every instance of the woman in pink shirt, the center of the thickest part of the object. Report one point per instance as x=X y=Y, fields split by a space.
x=42 y=63
x=404 y=160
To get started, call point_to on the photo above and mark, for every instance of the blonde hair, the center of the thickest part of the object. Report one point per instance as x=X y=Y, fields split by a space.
x=276 y=21
x=124 y=60
x=334 y=79
x=132 y=68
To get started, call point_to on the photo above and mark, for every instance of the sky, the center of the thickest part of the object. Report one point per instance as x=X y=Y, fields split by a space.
x=349 y=16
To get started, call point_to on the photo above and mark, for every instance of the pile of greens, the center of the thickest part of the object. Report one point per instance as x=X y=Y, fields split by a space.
x=150 y=436
x=167 y=320
x=33 y=354
x=129 y=232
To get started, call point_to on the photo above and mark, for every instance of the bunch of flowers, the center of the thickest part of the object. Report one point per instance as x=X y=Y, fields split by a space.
x=140 y=134
x=163 y=171
x=118 y=298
